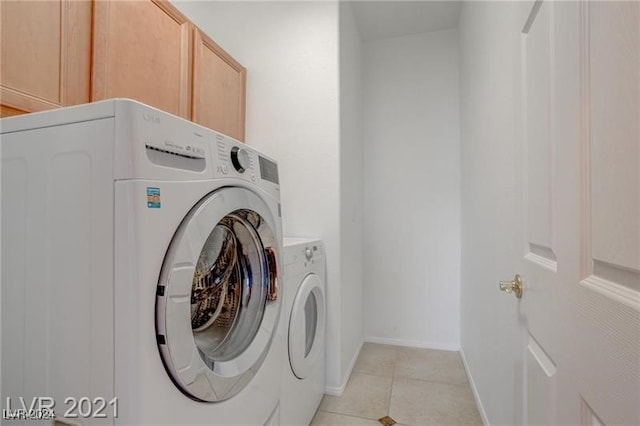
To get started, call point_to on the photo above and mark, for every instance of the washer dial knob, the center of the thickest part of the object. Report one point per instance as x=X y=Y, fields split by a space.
x=308 y=253
x=240 y=159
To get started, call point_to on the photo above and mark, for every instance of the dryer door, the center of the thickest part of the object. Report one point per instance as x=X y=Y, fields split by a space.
x=217 y=302
x=306 y=326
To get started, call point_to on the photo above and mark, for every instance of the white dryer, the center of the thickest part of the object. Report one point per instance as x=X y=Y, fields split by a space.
x=305 y=309
x=140 y=268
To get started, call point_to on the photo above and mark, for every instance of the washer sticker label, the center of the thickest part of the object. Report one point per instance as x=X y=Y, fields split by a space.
x=153 y=197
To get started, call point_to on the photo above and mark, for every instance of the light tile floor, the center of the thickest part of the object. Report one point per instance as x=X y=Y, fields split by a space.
x=415 y=387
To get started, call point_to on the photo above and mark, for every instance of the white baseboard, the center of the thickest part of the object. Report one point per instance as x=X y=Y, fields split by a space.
x=414 y=343
x=483 y=414
x=337 y=391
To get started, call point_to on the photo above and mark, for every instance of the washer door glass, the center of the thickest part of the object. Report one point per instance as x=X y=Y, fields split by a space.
x=217 y=301
x=227 y=300
x=306 y=326
x=310 y=322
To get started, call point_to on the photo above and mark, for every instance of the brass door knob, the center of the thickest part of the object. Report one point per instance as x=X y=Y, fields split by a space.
x=514 y=286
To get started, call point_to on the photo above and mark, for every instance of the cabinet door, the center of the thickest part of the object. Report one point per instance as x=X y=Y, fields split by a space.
x=218 y=88
x=141 y=50
x=46 y=49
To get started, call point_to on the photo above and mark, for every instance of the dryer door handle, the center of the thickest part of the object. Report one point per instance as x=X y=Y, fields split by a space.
x=272 y=292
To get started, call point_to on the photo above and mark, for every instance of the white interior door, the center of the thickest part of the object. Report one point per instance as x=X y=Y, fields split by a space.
x=580 y=186
x=608 y=293
x=541 y=258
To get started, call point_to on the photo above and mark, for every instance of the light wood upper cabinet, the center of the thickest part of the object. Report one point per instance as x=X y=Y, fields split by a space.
x=219 y=83
x=142 y=50
x=46 y=55
x=66 y=52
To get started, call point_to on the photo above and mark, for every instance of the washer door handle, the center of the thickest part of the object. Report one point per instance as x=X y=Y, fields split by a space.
x=272 y=292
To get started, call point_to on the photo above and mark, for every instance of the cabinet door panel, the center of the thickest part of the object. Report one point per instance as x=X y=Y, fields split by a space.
x=218 y=88
x=142 y=51
x=7 y=111
x=45 y=53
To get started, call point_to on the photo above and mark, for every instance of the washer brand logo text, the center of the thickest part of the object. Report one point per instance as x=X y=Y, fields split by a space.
x=148 y=116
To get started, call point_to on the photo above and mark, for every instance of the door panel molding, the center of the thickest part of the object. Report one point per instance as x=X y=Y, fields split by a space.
x=589 y=417
x=538 y=132
x=543 y=359
x=609 y=137
x=543 y=256
x=541 y=382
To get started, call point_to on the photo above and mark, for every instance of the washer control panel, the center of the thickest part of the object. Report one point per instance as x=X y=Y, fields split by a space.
x=303 y=255
x=232 y=159
x=240 y=159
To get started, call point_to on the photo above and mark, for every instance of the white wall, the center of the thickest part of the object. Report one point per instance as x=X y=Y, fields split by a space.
x=291 y=52
x=351 y=184
x=412 y=190
x=489 y=37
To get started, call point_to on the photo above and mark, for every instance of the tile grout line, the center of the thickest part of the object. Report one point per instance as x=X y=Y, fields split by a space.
x=347 y=415
x=393 y=379
x=439 y=382
x=367 y=374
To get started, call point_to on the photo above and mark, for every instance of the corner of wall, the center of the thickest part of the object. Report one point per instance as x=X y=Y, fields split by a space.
x=339 y=390
x=472 y=383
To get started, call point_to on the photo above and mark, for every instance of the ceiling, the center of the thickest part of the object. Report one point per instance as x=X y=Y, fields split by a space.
x=383 y=19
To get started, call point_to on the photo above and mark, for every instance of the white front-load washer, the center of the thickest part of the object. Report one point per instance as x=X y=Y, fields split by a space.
x=140 y=265
x=305 y=321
